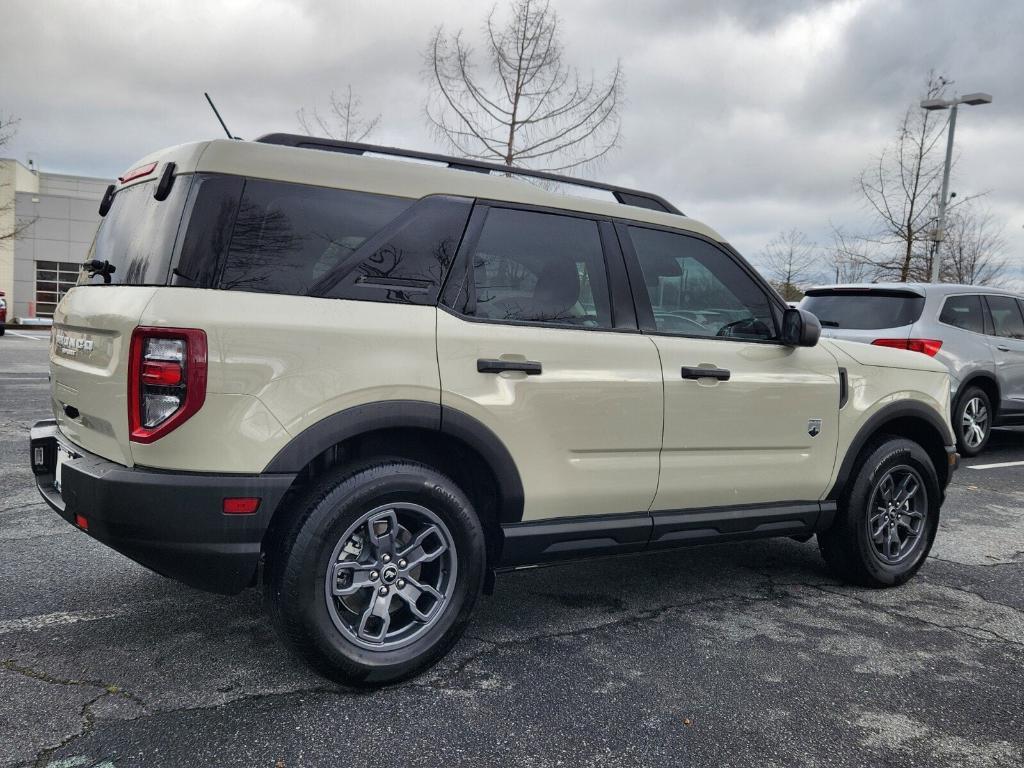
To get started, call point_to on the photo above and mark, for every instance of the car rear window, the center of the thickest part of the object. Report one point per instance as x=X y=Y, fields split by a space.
x=137 y=235
x=964 y=312
x=864 y=310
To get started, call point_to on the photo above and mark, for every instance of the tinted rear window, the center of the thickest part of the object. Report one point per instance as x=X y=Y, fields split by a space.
x=137 y=234
x=863 y=310
x=964 y=312
x=286 y=237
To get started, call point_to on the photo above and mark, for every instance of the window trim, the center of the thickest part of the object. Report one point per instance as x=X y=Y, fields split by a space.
x=644 y=310
x=460 y=273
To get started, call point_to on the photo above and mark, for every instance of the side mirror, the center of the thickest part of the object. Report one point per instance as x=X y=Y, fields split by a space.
x=800 y=328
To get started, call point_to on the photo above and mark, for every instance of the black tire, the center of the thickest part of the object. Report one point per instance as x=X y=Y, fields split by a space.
x=299 y=563
x=848 y=547
x=973 y=397
x=3 y=329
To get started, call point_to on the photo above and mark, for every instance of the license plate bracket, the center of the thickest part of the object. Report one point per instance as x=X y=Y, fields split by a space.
x=63 y=456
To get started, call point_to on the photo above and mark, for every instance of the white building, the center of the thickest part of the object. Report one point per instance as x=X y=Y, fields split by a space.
x=55 y=216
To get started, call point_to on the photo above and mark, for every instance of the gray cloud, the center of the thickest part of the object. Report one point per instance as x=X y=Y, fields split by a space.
x=754 y=116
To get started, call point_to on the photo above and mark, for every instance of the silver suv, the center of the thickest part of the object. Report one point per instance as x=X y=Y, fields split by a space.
x=978 y=333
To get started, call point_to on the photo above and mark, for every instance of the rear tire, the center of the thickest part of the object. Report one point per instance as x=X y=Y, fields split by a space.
x=377 y=574
x=972 y=421
x=888 y=516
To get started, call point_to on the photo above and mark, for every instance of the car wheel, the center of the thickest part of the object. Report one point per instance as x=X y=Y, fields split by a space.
x=973 y=421
x=887 y=516
x=378 y=573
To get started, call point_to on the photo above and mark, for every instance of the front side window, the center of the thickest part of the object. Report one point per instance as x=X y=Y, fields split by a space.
x=697 y=290
x=964 y=312
x=286 y=237
x=1006 y=317
x=540 y=268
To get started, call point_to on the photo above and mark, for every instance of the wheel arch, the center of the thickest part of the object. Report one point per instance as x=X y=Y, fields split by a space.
x=442 y=437
x=988 y=383
x=910 y=419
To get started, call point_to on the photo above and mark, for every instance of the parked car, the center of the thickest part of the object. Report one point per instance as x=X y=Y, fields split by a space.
x=976 y=332
x=3 y=316
x=368 y=385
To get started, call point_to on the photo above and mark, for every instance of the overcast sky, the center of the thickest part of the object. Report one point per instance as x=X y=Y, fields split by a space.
x=752 y=116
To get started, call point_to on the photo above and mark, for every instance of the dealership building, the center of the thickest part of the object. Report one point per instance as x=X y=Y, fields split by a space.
x=54 y=216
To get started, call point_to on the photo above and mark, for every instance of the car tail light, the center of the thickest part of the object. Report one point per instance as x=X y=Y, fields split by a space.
x=166 y=380
x=241 y=505
x=926 y=346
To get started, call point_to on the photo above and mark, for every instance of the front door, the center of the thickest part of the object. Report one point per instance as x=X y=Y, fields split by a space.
x=748 y=421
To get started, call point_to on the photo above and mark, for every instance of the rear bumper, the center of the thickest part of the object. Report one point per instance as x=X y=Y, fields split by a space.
x=170 y=522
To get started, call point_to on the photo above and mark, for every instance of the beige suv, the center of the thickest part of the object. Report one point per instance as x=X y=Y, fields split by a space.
x=367 y=379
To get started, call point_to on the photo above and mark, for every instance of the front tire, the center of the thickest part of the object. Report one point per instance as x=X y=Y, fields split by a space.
x=972 y=418
x=378 y=573
x=887 y=517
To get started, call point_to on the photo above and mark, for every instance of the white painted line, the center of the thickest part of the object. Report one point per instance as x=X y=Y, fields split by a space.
x=34 y=623
x=997 y=465
x=26 y=336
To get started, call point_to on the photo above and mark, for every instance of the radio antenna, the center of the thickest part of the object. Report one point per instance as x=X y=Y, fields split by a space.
x=219 y=118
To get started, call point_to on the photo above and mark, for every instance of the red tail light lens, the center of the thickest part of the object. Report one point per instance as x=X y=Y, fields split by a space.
x=926 y=346
x=241 y=505
x=166 y=380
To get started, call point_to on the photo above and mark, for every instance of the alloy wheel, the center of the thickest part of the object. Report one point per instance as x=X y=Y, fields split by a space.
x=974 y=424
x=899 y=507
x=390 y=576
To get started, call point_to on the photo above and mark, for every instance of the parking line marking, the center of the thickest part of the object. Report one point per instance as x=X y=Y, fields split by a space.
x=997 y=465
x=35 y=623
x=26 y=336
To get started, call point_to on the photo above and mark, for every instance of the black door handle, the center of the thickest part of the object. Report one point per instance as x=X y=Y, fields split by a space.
x=706 y=373
x=1001 y=348
x=528 y=367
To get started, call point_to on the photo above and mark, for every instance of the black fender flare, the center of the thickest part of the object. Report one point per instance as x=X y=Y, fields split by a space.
x=876 y=422
x=416 y=414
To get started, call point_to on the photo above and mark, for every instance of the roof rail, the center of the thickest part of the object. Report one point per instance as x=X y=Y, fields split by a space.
x=622 y=194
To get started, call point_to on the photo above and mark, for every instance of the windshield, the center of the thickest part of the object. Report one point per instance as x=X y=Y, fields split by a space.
x=137 y=234
x=864 y=310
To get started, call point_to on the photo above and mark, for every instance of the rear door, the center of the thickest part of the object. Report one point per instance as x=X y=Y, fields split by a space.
x=533 y=344
x=1007 y=345
x=748 y=421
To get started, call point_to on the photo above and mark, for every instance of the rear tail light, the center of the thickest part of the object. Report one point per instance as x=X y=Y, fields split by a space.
x=926 y=346
x=166 y=380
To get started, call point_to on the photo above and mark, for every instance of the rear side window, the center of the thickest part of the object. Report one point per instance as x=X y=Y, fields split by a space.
x=539 y=268
x=1006 y=316
x=287 y=237
x=864 y=310
x=137 y=235
x=964 y=312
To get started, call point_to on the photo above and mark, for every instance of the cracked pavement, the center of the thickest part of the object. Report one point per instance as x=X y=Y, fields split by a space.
x=749 y=654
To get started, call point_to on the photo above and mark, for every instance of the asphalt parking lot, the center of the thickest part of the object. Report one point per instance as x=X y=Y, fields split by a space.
x=722 y=656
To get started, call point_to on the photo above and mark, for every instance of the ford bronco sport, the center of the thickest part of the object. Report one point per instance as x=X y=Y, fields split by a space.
x=368 y=384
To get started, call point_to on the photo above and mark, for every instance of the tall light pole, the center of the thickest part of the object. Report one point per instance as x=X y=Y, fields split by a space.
x=972 y=99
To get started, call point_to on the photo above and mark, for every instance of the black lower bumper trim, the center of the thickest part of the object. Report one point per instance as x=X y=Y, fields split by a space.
x=170 y=522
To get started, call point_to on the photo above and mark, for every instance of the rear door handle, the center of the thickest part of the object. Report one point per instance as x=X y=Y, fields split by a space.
x=706 y=373
x=529 y=367
x=1001 y=348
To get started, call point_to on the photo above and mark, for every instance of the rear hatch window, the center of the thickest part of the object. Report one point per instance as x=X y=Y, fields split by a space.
x=864 y=310
x=137 y=235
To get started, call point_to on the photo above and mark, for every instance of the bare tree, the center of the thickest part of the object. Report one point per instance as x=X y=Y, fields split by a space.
x=973 y=248
x=529 y=107
x=847 y=260
x=789 y=261
x=8 y=127
x=344 y=119
x=901 y=188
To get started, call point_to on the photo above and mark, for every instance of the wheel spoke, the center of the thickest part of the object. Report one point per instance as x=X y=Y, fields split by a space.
x=908 y=488
x=887 y=488
x=378 y=608
x=419 y=551
x=350 y=576
x=413 y=592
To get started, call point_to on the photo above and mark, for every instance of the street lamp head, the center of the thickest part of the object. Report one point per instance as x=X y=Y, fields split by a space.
x=932 y=104
x=976 y=98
